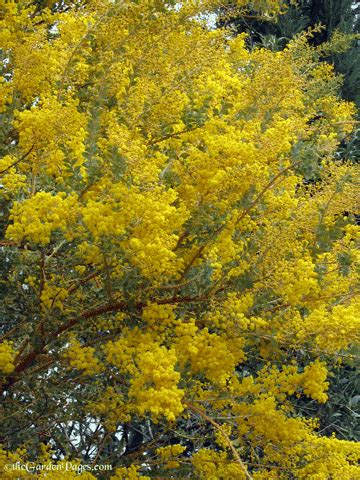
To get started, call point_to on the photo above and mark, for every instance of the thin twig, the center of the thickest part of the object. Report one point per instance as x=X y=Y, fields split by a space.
x=220 y=429
x=18 y=160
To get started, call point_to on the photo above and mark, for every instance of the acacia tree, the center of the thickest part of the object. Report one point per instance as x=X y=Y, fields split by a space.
x=173 y=290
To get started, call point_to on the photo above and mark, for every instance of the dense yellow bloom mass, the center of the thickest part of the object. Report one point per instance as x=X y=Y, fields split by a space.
x=213 y=355
x=214 y=465
x=7 y=356
x=180 y=237
x=55 y=132
x=130 y=473
x=169 y=454
x=14 y=463
x=36 y=218
x=153 y=386
x=82 y=358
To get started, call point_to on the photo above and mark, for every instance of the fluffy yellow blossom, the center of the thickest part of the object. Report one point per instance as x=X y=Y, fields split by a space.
x=35 y=219
x=89 y=253
x=332 y=329
x=5 y=94
x=342 y=459
x=13 y=463
x=53 y=297
x=154 y=381
x=154 y=388
x=153 y=240
x=82 y=358
x=297 y=280
x=232 y=313
x=7 y=356
x=55 y=133
x=211 y=465
x=11 y=180
x=101 y=219
x=130 y=473
x=313 y=381
x=169 y=455
x=268 y=425
x=10 y=458
x=270 y=381
x=213 y=355
x=160 y=318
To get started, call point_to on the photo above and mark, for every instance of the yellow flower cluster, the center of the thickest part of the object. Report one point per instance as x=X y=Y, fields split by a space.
x=214 y=170
x=276 y=383
x=181 y=153
x=211 y=465
x=267 y=425
x=314 y=381
x=296 y=280
x=154 y=380
x=142 y=165
x=130 y=473
x=159 y=318
x=35 y=68
x=169 y=454
x=57 y=471
x=11 y=181
x=121 y=353
x=153 y=239
x=279 y=138
x=212 y=355
x=331 y=329
x=147 y=220
x=102 y=219
x=324 y=71
x=89 y=253
x=232 y=313
x=7 y=356
x=154 y=389
x=5 y=94
x=56 y=133
x=10 y=458
x=35 y=219
x=339 y=112
x=53 y=296
x=83 y=358
x=330 y=458
x=225 y=250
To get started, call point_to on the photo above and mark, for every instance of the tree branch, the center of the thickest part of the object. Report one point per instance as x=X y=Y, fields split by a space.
x=17 y=161
x=225 y=436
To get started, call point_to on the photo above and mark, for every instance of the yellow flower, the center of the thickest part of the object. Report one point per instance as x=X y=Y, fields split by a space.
x=7 y=357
